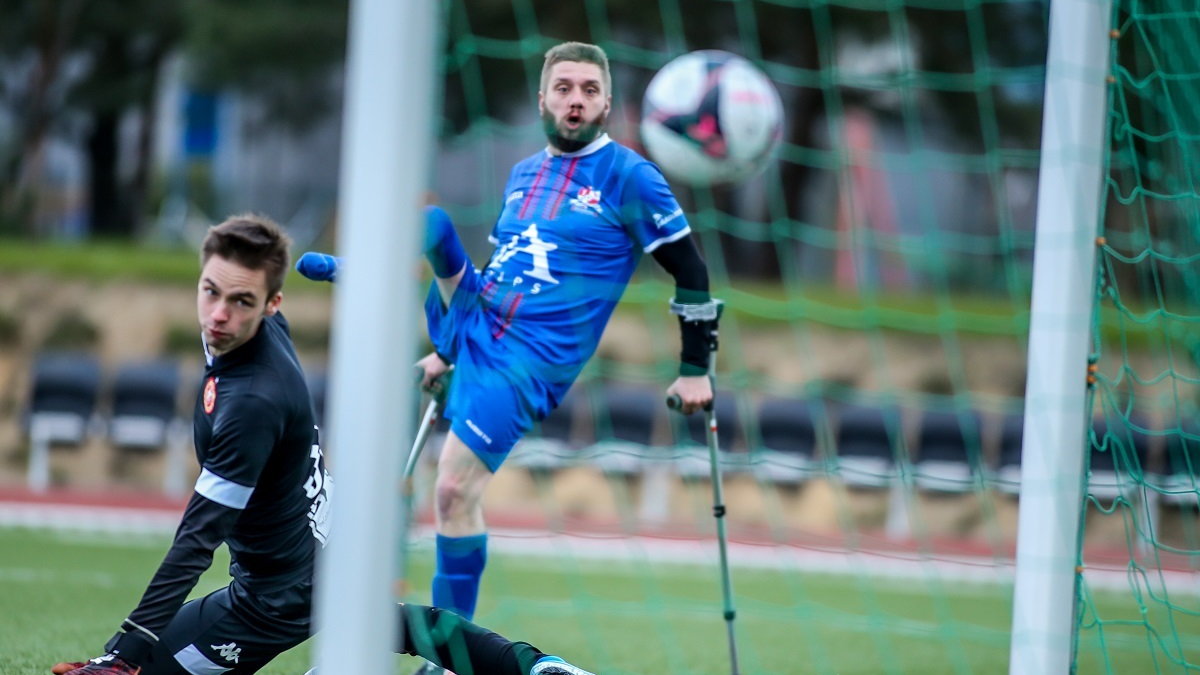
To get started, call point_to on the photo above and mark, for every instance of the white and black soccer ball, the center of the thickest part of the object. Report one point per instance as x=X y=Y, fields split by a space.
x=710 y=117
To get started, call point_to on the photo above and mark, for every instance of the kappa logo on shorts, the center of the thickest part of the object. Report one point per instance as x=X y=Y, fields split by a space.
x=229 y=652
x=210 y=395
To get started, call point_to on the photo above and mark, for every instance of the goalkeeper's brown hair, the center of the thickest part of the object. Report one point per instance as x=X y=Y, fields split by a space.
x=253 y=241
x=579 y=52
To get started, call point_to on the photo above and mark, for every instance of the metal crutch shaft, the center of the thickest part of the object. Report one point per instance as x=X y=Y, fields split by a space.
x=714 y=459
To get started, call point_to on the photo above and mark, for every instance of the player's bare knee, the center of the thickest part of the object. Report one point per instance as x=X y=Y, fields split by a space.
x=454 y=497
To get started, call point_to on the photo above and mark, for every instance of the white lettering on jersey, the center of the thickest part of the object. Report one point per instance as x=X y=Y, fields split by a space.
x=318 y=488
x=514 y=196
x=536 y=248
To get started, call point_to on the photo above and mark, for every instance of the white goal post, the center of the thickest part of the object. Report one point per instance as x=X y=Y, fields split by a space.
x=1052 y=480
x=387 y=141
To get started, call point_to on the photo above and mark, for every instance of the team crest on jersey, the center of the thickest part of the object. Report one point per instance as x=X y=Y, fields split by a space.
x=587 y=200
x=210 y=395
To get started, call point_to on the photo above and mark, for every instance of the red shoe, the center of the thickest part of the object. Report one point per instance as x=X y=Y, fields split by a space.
x=109 y=664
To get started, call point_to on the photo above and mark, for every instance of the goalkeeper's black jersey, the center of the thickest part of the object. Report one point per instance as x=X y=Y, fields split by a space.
x=263 y=489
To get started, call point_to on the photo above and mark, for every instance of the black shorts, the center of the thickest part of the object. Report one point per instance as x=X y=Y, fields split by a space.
x=235 y=630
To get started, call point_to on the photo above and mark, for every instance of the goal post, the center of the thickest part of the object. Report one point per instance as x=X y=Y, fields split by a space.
x=1052 y=467
x=389 y=85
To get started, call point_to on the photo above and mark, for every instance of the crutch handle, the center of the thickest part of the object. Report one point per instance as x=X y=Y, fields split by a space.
x=675 y=403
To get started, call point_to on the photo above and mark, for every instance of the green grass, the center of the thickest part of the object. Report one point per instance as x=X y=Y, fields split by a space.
x=62 y=596
x=755 y=303
x=108 y=261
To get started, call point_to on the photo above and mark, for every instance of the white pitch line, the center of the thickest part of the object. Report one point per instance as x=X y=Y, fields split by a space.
x=901 y=566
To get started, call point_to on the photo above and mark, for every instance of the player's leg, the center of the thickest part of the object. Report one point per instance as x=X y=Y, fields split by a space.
x=452 y=642
x=209 y=635
x=461 y=532
x=444 y=251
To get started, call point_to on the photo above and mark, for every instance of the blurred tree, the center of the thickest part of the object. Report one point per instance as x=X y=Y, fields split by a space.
x=287 y=54
x=93 y=62
x=126 y=42
x=82 y=66
x=33 y=43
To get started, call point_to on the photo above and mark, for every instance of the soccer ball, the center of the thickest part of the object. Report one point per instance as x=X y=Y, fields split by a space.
x=711 y=117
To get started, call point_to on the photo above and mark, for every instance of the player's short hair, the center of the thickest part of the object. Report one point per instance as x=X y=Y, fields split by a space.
x=579 y=52
x=253 y=241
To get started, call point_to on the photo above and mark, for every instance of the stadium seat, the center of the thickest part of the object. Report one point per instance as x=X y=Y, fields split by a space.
x=61 y=405
x=145 y=416
x=550 y=444
x=624 y=418
x=144 y=403
x=865 y=444
x=788 y=430
x=691 y=438
x=949 y=451
x=1008 y=471
x=1181 y=482
x=1120 y=453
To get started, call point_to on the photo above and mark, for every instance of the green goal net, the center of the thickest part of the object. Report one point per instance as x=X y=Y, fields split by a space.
x=1144 y=440
x=872 y=361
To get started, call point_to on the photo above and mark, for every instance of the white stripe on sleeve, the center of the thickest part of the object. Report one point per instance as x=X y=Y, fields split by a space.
x=667 y=239
x=222 y=490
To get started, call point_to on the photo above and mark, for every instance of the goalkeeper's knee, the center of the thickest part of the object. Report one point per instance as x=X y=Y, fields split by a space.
x=442 y=247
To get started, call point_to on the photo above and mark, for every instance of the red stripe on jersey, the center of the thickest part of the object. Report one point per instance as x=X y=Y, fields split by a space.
x=566 y=185
x=531 y=198
x=508 y=316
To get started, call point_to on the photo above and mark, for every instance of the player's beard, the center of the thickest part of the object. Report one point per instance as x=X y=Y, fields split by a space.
x=572 y=140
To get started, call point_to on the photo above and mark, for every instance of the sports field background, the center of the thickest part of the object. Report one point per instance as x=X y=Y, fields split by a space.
x=62 y=594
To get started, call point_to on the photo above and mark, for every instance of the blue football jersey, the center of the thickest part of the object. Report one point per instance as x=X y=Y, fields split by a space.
x=572 y=231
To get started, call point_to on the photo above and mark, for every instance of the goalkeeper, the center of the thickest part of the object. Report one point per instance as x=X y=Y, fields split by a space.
x=577 y=218
x=264 y=492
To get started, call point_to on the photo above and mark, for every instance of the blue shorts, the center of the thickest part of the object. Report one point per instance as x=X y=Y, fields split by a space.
x=493 y=400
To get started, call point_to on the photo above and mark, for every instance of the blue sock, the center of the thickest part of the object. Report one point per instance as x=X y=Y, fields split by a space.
x=460 y=562
x=442 y=248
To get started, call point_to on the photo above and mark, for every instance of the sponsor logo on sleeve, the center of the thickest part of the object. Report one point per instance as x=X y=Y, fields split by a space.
x=661 y=221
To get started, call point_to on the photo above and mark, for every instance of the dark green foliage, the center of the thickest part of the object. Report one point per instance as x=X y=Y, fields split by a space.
x=10 y=330
x=283 y=51
x=72 y=332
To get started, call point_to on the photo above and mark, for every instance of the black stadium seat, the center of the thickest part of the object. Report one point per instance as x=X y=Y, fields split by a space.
x=144 y=404
x=623 y=417
x=865 y=444
x=691 y=435
x=949 y=451
x=65 y=387
x=789 y=433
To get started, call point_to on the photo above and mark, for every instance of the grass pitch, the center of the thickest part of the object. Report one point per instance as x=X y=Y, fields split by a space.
x=62 y=595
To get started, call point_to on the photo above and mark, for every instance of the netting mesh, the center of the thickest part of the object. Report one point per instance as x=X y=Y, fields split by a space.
x=1144 y=438
x=872 y=359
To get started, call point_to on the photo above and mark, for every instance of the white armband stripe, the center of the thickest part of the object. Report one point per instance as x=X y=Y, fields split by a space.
x=649 y=248
x=222 y=490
